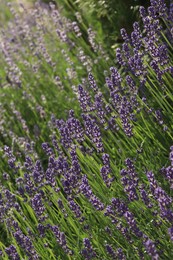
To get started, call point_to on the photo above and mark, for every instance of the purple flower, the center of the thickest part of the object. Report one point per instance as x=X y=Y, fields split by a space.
x=126 y=51
x=132 y=224
x=163 y=199
x=75 y=128
x=47 y=149
x=66 y=139
x=84 y=99
x=120 y=254
x=26 y=244
x=106 y=170
x=88 y=252
x=12 y=252
x=124 y=35
x=76 y=29
x=28 y=163
x=92 y=82
x=145 y=198
x=119 y=206
x=120 y=103
x=109 y=211
x=159 y=7
x=61 y=238
x=62 y=208
x=115 y=211
x=167 y=214
x=85 y=189
x=153 y=182
x=55 y=143
x=11 y=158
x=151 y=249
x=169 y=174
x=130 y=180
x=41 y=229
x=50 y=176
x=6 y=176
x=111 y=251
x=125 y=112
x=75 y=166
x=159 y=116
x=37 y=205
x=29 y=184
x=124 y=231
x=136 y=36
x=70 y=131
x=152 y=12
x=106 y=159
x=137 y=66
x=71 y=174
x=168 y=171
x=75 y=208
x=143 y=12
x=92 y=130
x=120 y=58
x=38 y=173
x=157 y=70
x=10 y=198
x=99 y=107
x=162 y=55
x=115 y=80
x=131 y=84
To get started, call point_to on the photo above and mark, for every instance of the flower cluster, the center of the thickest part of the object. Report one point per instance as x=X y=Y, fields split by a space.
x=87 y=184
x=130 y=180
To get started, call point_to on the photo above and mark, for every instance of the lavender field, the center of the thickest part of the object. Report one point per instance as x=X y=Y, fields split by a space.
x=86 y=131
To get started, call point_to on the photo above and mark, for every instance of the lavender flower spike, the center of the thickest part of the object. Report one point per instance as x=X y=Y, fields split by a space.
x=151 y=249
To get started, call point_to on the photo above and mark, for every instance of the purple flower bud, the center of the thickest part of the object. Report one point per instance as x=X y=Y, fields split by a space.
x=47 y=149
x=120 y=254
x=120 y=57
x=153 y=182
x=26 y=244
x=124 y=35
x=136 y=36
x=88 y=252
x=75 y=208
x=93 y=131
x=60 y=236
x=132 y=224
x=151 y=249
x=145 y=198
x=37 y=205
x=84 y=99
x=12 y=252
x=92 y=82
x=99 y=107
x=85 y=189
x=6 y=176
x=41 y=230
x=160 y=7
x=142 y=11
x=110 y=251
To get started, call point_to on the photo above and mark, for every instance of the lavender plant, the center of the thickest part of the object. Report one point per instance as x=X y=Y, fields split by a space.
x=96 y=184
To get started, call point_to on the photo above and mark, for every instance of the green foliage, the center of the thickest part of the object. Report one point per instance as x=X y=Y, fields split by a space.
x=111 y=15
x=42 y=61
